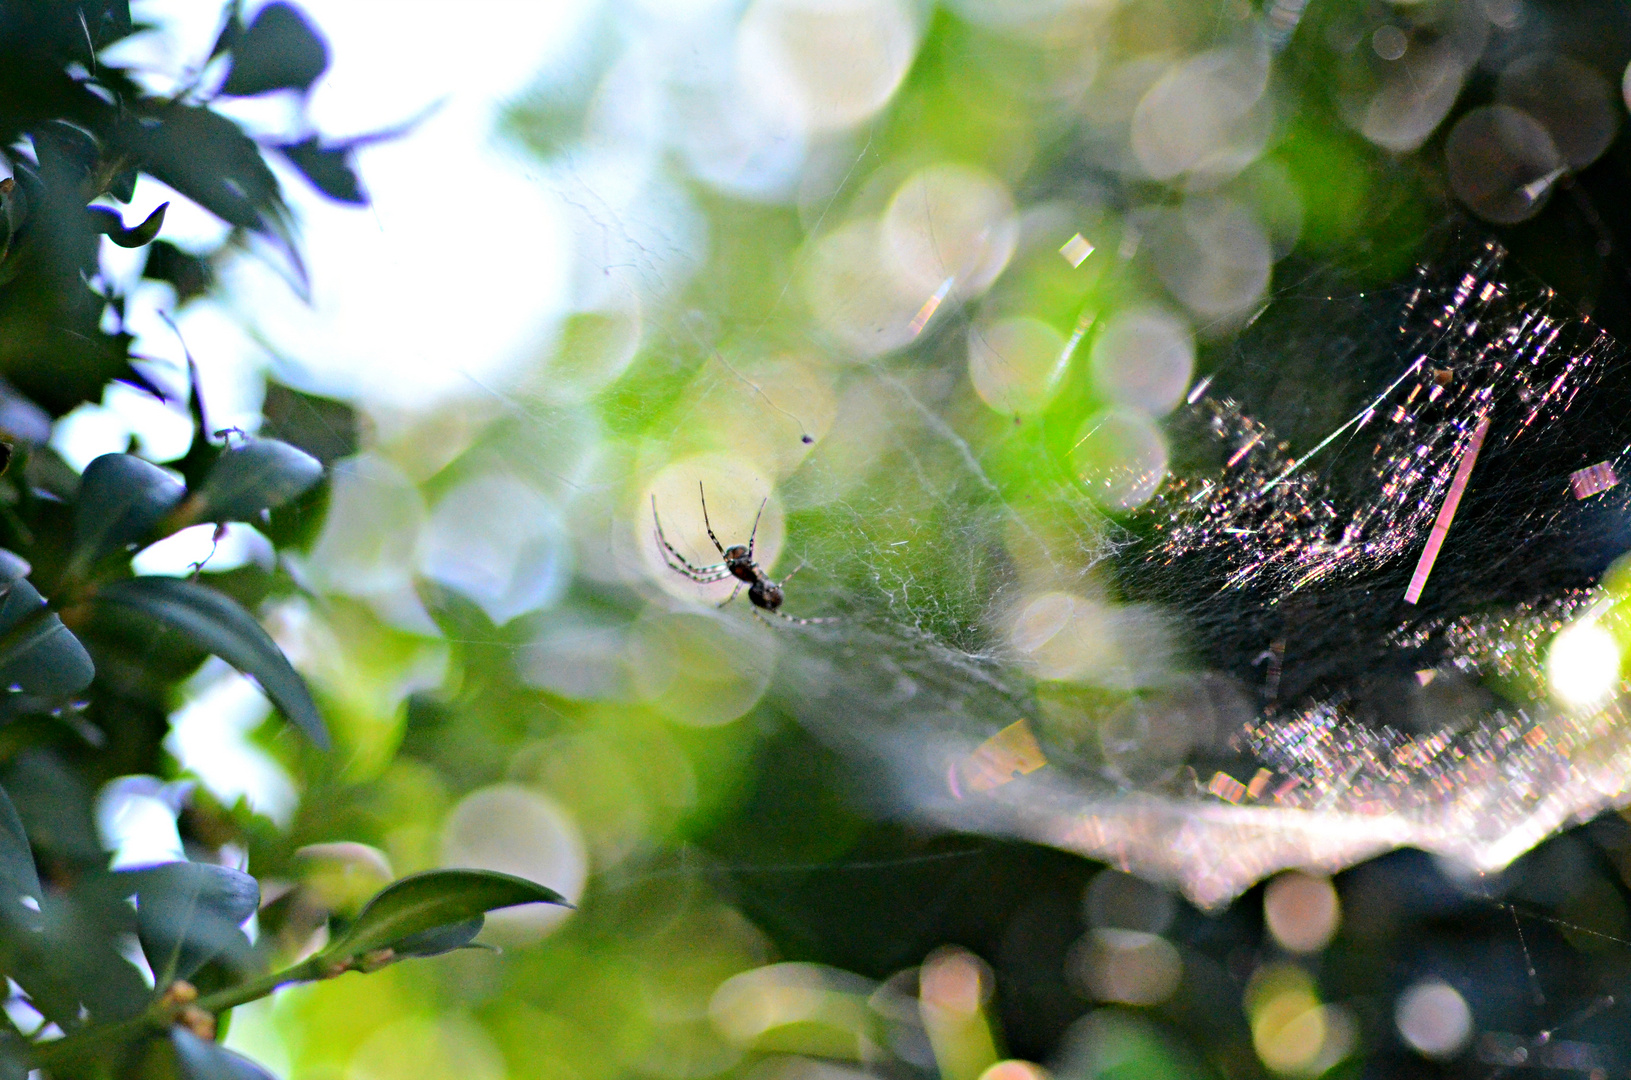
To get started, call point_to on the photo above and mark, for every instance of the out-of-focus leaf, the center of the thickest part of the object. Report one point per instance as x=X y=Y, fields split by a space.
x=190 y=275
x=217 y=623
x=260 y=474
x=14 y=1063
x=434 y=901
x=279 y=51
x=189 y=914
x=109 y=223
x=122 y=499
x=441 y=939
x=18 y=877
x=207 y=158
x=324 y=428
x=65 y=150
x=123 y=185
x=329 y=169
x=38 y=654
x=73 y=966
x=54 y=807
x=197 y=1059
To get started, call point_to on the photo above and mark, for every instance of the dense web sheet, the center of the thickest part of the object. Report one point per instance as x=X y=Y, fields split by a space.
x=1275 y=699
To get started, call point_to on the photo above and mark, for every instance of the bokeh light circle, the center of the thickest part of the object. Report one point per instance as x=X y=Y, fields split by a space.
x=501 y=544
x=1569 y=99
x=1302 y=911
x=1213 y=254
x=859 y=297
x=825 y=65
x=950 y=222
x=1015 y=365
x=1144 y=357
x=1434 y=1019
x=1120 y=456
x=1205 y=115
x=1129 y=967
x=1583 y=664
x=1502 y=163
x=701 y=670
x=517 y=831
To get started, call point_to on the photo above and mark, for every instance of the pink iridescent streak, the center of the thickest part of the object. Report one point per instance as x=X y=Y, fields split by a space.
x=1435 y=539
x=1588 y=482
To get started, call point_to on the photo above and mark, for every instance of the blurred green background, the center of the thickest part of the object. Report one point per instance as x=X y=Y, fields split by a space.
x=919 y=283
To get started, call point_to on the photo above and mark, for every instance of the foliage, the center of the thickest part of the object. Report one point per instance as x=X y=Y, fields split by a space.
x=91 y=656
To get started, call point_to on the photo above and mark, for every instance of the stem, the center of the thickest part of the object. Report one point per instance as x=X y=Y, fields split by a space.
x=309 y=970
x=160 y=1015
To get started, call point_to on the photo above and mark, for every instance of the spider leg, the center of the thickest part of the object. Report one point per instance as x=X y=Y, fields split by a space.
x=796 y=569
x=755 y=533
x=732 y=596
x=680 y=563
x=707 y=524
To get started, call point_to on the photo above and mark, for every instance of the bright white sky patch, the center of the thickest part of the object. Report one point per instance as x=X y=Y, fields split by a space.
x=457 y=273
x=209 y=736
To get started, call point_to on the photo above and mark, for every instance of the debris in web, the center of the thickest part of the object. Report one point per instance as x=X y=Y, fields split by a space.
x=1383 y=507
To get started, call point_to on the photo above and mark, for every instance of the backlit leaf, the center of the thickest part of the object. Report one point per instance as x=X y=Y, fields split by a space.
x=218 y=623
x=435 y=900
x=122 y=499
x=280 y=50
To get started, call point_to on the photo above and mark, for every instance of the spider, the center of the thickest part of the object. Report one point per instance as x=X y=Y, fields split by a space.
x=763 y=593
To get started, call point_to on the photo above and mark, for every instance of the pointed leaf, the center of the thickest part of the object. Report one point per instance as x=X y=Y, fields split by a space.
x=207 y=158
x=435 y=900
x=38 y=655
x=329 y=169
x=18 y=876
x=189 y=914
x=189 y=275
x=122 y=499
x=261 y=474
x=441 y=939
x=107 y=221
x=200 y=1060
x=218 y=623
x=281 y=50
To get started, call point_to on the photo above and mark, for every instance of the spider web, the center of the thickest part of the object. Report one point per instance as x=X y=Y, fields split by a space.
x=1301 y=712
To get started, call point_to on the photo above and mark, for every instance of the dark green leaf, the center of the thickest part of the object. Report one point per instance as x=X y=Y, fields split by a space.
x=55 y=809
x=189 y=914
x=108 y=222
x=123 y=185
x=260 y=474
x=328 y=168
x=279 y=51
x=190 y=275
x=14 y=1056
x=122 y=499
x=18 y=876
x=217 y=623
x=38 y=655
x=72 y=966
x=324 y=428
x=208 y=159
x=441 y=939
x=200 y=1060
x=435 y=900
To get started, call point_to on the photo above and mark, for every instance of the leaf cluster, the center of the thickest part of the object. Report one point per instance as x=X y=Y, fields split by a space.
x=90 y=654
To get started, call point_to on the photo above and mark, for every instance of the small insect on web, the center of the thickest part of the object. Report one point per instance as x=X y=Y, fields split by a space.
x=763 y=593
